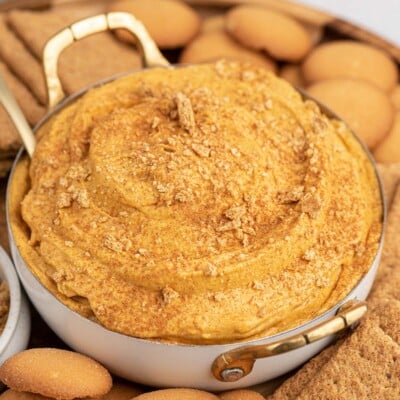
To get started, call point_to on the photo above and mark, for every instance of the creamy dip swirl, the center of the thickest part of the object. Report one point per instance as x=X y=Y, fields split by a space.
x=204 y=204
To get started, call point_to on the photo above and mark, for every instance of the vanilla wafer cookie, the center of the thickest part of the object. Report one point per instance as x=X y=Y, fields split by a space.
x=55 y=373
x=263 y=29
x=215 y=45
x=351 y=59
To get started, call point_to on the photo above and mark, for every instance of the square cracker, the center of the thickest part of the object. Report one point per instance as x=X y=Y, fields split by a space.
x=21 y=62
x=31 y=108
x=387 y=315
x=365 y=366
x=90 y=60
x=292 y=387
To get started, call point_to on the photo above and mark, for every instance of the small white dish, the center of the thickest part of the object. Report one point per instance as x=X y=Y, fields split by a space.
x=15 y=335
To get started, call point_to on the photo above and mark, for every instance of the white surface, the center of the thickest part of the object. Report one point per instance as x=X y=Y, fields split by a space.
x=382 y=17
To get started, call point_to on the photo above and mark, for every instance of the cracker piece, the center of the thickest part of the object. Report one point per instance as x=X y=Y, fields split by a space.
x=29 y=105
x=366 y=366
x=387 y=314
x=292 y=387
x=22 y=62
x=83 y=63
x=95 y=58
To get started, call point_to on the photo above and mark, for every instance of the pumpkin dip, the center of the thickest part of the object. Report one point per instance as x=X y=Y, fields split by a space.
x=205 y=204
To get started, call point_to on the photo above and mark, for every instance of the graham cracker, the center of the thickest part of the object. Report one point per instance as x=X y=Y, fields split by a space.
x=365 y=366
x=90 y=60
x=292 y=387
x=387 y=315
x=21 y=62
x=29 y=105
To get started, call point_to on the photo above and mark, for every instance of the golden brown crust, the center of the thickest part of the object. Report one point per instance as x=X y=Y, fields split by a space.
x=263 y=29
x=351 y=59
x=55 y=373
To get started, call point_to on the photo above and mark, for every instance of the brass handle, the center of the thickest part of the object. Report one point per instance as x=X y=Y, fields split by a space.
x=236 y=364
x=17 y=116
x=151 y=55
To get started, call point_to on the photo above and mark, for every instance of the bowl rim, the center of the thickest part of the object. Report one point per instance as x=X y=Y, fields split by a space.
x=309 y=323
x=9 y=275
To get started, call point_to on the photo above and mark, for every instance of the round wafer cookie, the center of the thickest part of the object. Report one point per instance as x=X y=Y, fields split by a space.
x=262 y=29
x=350 y=59
x=241 y=394
x=367 y=109
x=55 y=373
x=171 y=23
x=177 y=394
x=218 y=44
x=389 y=150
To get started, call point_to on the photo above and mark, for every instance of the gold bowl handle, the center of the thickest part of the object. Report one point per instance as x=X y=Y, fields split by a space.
x=236 y=364
x=151 y=55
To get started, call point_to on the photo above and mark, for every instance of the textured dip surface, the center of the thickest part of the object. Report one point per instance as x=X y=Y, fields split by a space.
x=205 y=204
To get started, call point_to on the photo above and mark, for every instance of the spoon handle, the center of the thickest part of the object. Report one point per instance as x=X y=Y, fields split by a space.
x=17 y=116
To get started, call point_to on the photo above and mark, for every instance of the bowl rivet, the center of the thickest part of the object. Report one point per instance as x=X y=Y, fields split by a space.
x=232 y=374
